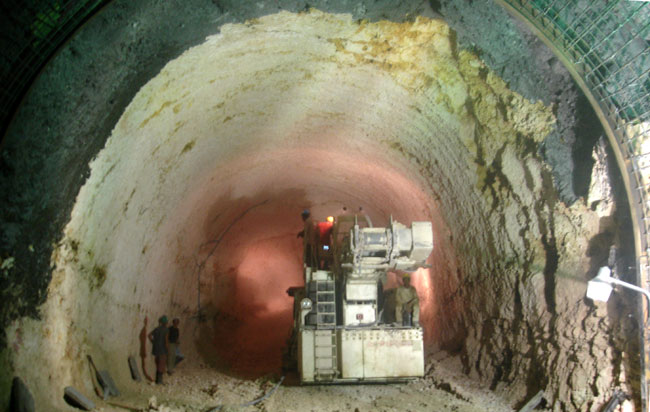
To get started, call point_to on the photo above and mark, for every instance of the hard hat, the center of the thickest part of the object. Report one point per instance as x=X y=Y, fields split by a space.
x=163 y=319
x=406 y=275
x=330 y=219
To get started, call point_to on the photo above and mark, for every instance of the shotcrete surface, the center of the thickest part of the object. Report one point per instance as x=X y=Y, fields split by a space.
x=230 y=141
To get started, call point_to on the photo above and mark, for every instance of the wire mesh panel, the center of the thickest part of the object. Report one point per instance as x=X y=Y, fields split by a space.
x=605 y=45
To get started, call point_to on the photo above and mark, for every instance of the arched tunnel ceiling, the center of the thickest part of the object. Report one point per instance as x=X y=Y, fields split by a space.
x=319 y=112
x=204 y=175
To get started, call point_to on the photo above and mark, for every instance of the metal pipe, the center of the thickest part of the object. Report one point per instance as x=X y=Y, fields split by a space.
x=630 y=286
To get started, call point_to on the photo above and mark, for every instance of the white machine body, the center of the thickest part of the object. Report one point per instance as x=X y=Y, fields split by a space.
x=339 y=332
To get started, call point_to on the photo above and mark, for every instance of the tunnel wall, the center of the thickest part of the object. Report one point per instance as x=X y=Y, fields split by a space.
x=487 y=197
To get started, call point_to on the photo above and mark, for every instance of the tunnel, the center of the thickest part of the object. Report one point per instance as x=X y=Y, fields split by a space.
x=161 y=159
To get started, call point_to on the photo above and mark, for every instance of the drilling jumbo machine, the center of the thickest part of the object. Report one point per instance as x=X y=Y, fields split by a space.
x=342 y=331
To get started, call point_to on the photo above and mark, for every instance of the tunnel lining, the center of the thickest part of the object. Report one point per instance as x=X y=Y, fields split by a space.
x=183 y=148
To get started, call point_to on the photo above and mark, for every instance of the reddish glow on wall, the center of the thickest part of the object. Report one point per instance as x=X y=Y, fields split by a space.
x=251 y=212
x=421 y=280
x=254 y=314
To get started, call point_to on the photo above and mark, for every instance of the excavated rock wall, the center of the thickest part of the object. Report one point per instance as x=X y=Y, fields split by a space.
x=400 y=119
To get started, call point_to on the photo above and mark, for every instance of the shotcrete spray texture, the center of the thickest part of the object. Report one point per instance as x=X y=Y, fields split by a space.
x=192 y=209
x=251 y=275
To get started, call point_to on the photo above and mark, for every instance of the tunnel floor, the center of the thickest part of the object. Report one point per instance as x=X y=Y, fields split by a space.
x=196 y=387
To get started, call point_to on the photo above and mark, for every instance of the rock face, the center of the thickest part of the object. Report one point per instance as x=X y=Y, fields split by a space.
x=192 y=206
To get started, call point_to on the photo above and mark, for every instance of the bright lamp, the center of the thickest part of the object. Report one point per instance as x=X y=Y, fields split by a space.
x=600 y=287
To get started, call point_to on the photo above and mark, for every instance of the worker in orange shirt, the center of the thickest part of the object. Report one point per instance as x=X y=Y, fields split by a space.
x=324 y=231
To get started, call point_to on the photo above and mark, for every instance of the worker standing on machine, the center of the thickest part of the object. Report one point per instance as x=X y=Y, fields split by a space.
x=308 y=235
x=324 y=231
x=407 y=303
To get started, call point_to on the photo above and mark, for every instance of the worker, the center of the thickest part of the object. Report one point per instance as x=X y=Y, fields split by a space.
x=324 y=231
x=308 y=234
x=406 y=301
x=173 y=346
x=305 y=215
x=159 y=338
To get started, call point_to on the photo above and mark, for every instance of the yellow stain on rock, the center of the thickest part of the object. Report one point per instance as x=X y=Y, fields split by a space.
x=188 y=147
x=420 y=56
x=500 y=109
x=178 y=125
x=156 y=113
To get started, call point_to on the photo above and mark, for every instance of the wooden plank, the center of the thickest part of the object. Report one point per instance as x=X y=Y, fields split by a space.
x=76 y=398
x=108 y=383
x=133 y=365
x=533 y=402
